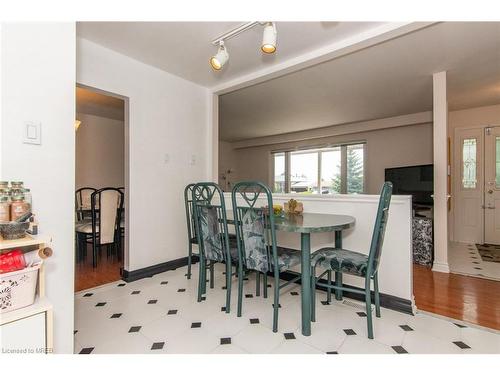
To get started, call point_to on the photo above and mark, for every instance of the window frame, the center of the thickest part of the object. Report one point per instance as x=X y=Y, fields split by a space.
x=319 y=151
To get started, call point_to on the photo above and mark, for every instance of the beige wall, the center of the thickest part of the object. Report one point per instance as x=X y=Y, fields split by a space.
x=385 y=148
x=100 y=160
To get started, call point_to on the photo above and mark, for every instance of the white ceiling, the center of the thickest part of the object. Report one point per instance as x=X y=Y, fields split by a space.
x=184 y=48
x=97 y=104
x=390 y=79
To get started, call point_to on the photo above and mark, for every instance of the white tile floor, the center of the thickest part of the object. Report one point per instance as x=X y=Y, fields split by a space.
x=464 y=259
x=161 y=315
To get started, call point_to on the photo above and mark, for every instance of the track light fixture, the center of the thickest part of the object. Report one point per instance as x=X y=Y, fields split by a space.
x=268 y=45
x=269 y=38
x=221 y=57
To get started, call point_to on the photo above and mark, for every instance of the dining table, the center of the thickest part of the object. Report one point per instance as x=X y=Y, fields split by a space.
x=306 y=224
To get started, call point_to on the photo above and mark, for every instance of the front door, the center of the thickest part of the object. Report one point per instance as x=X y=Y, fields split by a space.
x=492 y=185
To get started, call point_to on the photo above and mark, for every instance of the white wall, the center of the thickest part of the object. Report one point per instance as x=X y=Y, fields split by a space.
x=100 y=157
x=168 y=115
x=397 y=249
x=38 y=84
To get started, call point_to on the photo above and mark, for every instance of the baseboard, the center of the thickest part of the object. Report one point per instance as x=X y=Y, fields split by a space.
x=150 y=271
x=440 y=267
x=386 y=300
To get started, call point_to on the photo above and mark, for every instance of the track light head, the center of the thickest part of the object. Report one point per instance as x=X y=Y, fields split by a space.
x=218 y=61
x=269 y=38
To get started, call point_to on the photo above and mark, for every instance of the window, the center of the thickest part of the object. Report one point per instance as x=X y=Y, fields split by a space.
x=469 y=163
x=328 y=170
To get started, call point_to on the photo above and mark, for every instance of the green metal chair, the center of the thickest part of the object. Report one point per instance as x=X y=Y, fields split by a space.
x=191 y=226
x=256 y=241
x=354 y=263
x=212 y=235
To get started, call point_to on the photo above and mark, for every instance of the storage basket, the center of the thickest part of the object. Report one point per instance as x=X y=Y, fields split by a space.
x=18 y=288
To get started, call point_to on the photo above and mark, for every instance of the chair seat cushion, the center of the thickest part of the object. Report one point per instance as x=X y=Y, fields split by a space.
x=287 y=258
x=341 y=260
x=85 y=227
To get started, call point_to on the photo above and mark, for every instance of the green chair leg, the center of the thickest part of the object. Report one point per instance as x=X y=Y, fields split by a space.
x=313 y=294
x=201 y=278
x=276 y=302
x=329 y=290
x=257 y=283
x=338 y=283
x=229 y=271
x=265 y=285
x=190 y=254
x=240 y=289
x=377 y=296
x=212 y=275
x=368 y=300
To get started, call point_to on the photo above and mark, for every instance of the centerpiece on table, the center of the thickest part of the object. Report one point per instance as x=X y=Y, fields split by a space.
x=294 y=207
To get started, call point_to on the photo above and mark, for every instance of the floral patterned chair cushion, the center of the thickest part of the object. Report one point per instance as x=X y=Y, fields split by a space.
x=341 y=260
x=287 y=258
x=211 y=236
x=254 y=244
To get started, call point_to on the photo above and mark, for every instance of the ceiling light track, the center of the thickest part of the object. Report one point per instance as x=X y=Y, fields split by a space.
x=268 y=44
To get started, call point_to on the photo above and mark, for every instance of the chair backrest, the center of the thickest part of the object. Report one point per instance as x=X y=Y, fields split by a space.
x=188 y=204
x=211 y=221
x=255 y=231
x=379 y=228
x=82 y=200
x=107 y=205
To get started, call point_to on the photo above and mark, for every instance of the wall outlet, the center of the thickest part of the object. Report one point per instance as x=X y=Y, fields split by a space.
x=192 y=161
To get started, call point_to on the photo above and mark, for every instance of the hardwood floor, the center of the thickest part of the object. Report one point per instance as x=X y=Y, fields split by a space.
x=466 y=298
x=108 y=270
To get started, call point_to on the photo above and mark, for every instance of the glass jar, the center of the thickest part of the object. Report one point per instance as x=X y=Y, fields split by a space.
x=4 y=208
x=16 y=187
x=18 y=207
x=27 y=198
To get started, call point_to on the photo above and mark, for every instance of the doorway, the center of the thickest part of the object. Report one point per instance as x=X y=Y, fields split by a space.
x=100 y=177
x=475 y=250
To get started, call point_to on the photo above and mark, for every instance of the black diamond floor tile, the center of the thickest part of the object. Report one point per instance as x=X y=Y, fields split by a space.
x=86 y=350
x=122 y=284
x=349 y=332
x=100 y=304
x=196 y=325
x=75 y=331
x=152 y=301
x=279 y=305
x=164 y=283
x=406 y=327
x=223 y=308
x=248 y=295
x=136 y=292
x=289 y=336
x=172 y=312
x=88 y=295
x=115 y=316
x=399 y=349
x=254 y=321
x=460 y=325
x=361 y=313
x=294 y=293
x=157 y=345
x=461 y=344
x=182 y=290
x=134 y=329
x=225 y=340
x=332 y=352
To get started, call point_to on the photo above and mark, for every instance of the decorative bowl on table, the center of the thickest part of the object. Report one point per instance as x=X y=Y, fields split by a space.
x=12 y=230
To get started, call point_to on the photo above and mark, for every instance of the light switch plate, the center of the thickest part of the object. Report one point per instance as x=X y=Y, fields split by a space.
x=32 y=133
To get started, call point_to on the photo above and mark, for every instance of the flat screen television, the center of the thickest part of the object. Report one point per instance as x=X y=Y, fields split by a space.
x=417 y=181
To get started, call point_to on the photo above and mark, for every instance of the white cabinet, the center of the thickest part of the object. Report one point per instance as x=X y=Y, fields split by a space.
x=25 y=335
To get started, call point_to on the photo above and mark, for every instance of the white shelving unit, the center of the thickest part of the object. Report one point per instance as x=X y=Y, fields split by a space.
x=28 y=329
